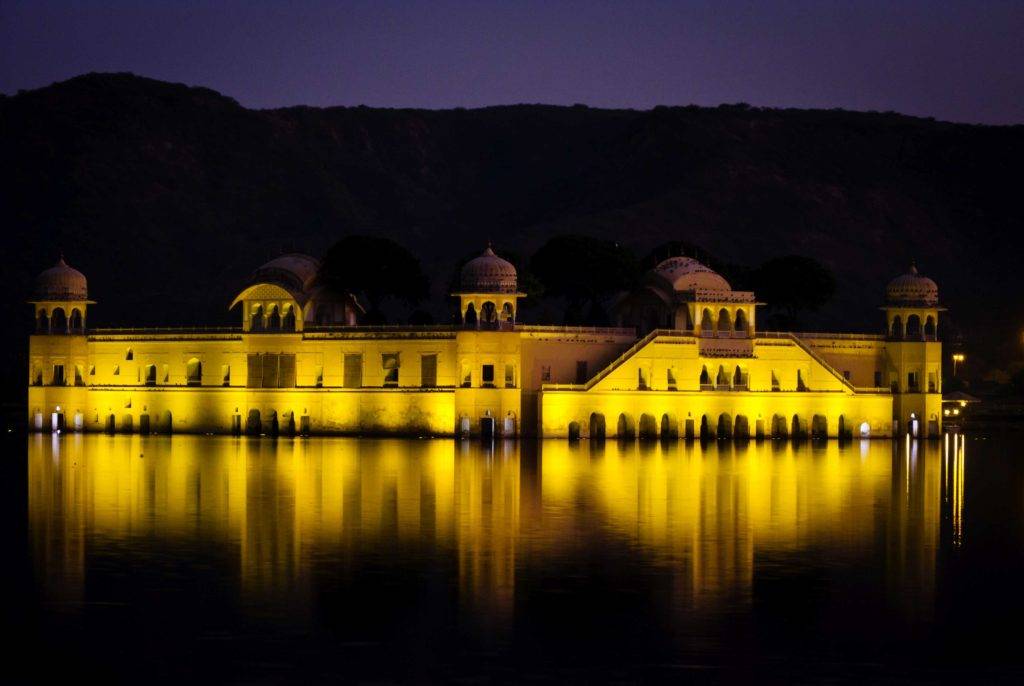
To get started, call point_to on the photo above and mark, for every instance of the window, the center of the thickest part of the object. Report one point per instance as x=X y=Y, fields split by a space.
x=775 y=381
x=510 y=376
x=117 y=370
x=225 y=374
x=800 y=385
x=58 y=375
x=79 y=381
x=428 y=371
x=670 y=378
x=129 y=355
x=319 y=381
x=150 y=375
x=487 y=376
x=932 y=385
x=705 y=378
x=912 y=381
x=92 y=370
x=641 y=378
x=353 y=371
x=390 y=363
x=846 y=374
x=878 y=379
x=467 y=375
x=37 y=376
x=581 y=371
x=545 y=372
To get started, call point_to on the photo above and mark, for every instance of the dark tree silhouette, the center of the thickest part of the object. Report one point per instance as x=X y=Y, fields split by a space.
x=585 y=271
x=378 y=268
x=792 y=284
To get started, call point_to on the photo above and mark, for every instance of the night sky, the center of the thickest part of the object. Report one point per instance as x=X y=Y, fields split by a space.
x=960 y=61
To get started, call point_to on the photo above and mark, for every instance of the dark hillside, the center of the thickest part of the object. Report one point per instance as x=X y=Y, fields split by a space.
x=167 y=196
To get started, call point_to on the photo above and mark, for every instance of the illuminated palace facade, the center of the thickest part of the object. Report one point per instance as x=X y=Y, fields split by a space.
x=687 y=361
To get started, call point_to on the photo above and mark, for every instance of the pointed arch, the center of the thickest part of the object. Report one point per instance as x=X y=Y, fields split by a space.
x=597 y=426
x=913 y=326
x=741 y=427
x=724 y=320
x=58 y=321
x=648 y=427
x=75 y=323
x=724 y=426
x=626 y=429
x=897 y=327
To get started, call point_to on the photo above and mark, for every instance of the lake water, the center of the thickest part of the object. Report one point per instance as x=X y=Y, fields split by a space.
x=253 y=560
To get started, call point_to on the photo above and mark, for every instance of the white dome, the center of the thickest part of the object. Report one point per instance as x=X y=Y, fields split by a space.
x=912 y=289
x=687 y=274
x=61 y=282
x=488 y=273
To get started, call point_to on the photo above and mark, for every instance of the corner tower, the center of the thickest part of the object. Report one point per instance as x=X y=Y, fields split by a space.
x=914 y=353
x=57 y=350
x=488 y=294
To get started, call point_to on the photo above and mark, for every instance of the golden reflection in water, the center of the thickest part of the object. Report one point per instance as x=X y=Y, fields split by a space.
x=709 y=516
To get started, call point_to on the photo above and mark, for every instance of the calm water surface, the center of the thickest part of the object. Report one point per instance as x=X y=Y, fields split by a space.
x=249 y=560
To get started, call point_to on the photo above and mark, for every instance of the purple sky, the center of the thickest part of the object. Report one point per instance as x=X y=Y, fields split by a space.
x=961 y=61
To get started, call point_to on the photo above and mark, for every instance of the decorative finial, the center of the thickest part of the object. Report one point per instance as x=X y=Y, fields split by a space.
x=913 y=267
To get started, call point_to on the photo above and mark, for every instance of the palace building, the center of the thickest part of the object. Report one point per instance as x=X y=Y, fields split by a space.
x=687 y=361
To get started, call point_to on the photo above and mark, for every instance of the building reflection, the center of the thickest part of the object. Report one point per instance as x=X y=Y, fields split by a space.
x=295 y=512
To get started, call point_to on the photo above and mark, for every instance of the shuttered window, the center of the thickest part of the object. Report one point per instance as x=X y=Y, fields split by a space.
x=428 y=371
x=353 y=371
x=389 y=361
x=271 y=370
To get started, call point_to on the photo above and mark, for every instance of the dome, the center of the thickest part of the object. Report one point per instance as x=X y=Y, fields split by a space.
x=687 y=274
x=488 y=273
x=912 y=289
x=294 y=272
x=61 y=282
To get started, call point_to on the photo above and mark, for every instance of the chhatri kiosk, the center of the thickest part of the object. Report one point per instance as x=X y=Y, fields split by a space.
x=687 y=361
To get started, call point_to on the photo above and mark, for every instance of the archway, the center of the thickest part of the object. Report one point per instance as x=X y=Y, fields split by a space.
x=913 y=326
x=469 y=319
x=705 y=429
x=597 y=426
x=929 y=328
x=741 y=321
x=669 y=427
x=724 y=321
x=58 y=321
x=779 y=426
x=705 y=378
x=42 y=322
x=166 y=424
x=256 y=318
x=253 y=424
x=897 y=327
x=507 y=315
x=741 y=429
x=914 y=425
x=273 y=319
x=707 y=322
x=819 y=426
x=865 y=430
x=738 y=378
x=288 y=426
x=488 y=315
x=841 y=432
x=724 y=426
x=574 y=431
x=75 y=323
x=272 y=425
x=798 y=429
x=126 y=424
x=722 y=379
x=626 y=429
x=648 y=427
x=508 y=430
x=288 y=321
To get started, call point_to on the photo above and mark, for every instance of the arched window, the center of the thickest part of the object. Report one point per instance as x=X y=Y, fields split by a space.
x=913 y=326
x=488 y=314
x=470 y=318
x=506 y=313
x=897 y=327
x=288 y=321
x=724 y=323
x=739 y=379
x=151 y=375
x=273 y=319
x=42 y=322
x=75 y=324
x=58 y=321
x=722 y=380
x=194 y=372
